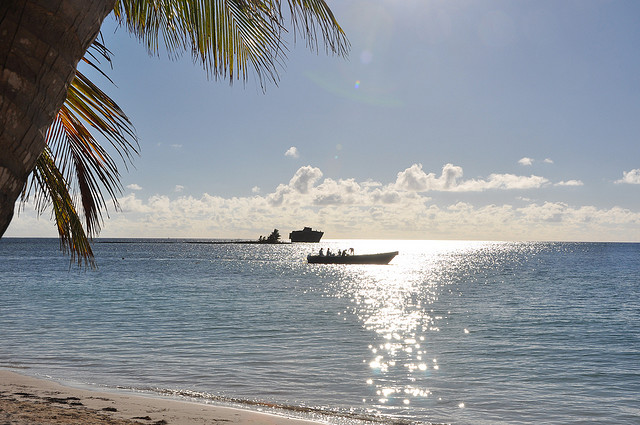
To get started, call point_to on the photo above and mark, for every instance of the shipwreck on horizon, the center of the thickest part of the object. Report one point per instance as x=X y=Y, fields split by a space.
x=306 y=235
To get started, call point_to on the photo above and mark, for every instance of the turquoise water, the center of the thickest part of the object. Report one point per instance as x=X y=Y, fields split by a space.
x=449 y=332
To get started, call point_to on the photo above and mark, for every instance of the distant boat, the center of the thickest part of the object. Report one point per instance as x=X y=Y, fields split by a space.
x=381 y=258
x=306 y=235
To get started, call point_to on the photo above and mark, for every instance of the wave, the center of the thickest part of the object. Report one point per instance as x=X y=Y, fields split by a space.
x=340 y=416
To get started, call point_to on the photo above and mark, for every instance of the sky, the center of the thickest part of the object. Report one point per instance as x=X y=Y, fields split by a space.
x=471 y=120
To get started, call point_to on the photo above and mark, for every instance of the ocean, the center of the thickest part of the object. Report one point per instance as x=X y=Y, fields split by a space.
x=449 y=332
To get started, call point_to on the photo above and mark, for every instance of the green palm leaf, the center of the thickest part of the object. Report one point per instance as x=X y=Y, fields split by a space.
x=74 y=156
x=48 y=179
x=309 y=16
x=228 y=37
x=82 y=159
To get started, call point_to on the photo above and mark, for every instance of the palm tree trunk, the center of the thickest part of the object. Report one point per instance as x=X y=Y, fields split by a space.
x=41 y=43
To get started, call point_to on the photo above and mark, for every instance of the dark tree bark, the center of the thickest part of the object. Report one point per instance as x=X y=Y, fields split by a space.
x=41 y=43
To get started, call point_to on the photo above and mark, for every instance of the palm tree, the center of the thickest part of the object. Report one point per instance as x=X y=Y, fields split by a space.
x=274 y=237
x=44 y=41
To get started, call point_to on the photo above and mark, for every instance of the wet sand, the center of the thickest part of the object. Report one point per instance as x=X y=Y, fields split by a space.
x=25 y=400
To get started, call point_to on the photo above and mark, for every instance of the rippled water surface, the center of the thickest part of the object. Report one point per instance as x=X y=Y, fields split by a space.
x=455 y=332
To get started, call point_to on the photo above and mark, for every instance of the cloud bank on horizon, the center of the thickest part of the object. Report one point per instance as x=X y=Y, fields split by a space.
x=346 y=208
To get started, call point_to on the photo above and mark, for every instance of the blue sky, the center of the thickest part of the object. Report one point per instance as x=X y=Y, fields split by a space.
x=498 y=120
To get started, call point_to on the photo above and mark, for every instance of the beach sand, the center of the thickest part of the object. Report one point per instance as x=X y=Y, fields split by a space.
x=25 y=400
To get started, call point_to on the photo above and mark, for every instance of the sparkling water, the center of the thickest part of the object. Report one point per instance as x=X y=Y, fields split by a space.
x=449 y=332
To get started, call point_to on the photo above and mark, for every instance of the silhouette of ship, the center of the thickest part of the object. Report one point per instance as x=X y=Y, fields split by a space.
x=306 y=235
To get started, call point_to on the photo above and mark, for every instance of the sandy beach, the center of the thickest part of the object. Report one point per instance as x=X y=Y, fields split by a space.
x=25 y=400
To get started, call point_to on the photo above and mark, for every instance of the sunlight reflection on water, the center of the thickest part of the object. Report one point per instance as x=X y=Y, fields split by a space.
x=396 y=303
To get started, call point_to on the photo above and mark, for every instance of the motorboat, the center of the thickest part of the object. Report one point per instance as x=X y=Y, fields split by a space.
x=380 y=258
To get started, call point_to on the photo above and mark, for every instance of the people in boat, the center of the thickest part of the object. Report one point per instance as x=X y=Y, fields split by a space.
x=341 y=252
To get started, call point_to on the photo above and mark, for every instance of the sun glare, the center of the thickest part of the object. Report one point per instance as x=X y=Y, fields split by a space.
x=395 y=303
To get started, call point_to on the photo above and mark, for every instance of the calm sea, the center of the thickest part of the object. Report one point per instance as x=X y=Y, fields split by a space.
x=449 y=332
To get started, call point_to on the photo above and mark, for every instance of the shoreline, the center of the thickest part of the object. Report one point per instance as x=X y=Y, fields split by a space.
x=26 y=400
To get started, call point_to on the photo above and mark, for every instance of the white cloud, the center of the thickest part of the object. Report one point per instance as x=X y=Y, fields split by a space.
x=386 y=195
x=178 y=188
x=415 y=179
x=525 y=161
x=331 y=192
x=255 y=189
x=630 y=177
x=450 y=176
x=570 y=183
x=176 y=146
x=276 y=198
x=300 y=184
x=130 y=203
x=305 y=178
x=134 y=186
x=503 y=182
x=292 y=152
x=346 y=208
x=548 y=161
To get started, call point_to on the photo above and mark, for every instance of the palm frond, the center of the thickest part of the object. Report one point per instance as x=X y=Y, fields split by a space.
x=96 y=51
x=74 y=156
x=309 y=16
x=48 y=179
x=227 y=37
x=84 y=162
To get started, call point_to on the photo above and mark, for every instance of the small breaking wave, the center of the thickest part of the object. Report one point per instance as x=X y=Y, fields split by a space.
x=321 y=414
